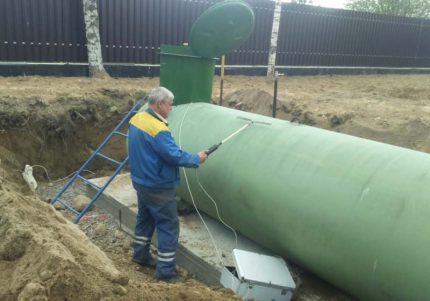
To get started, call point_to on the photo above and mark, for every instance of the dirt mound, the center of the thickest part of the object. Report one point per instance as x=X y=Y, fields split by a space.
x=251 y=100
x=414 y=134
x=261 y=102
x=46 y=257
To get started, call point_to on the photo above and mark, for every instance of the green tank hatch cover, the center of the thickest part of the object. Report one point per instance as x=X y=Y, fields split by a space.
x=221 y=28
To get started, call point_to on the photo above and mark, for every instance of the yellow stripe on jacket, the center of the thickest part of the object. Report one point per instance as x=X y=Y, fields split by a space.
x=149 y=124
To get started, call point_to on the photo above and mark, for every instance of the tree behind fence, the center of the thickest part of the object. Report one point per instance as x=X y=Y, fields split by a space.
x=132 y=31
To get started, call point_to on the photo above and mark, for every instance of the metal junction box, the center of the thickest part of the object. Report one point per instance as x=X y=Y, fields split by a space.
x=258 y=277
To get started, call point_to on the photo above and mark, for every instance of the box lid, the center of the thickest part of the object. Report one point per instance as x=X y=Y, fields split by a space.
x=263 y=269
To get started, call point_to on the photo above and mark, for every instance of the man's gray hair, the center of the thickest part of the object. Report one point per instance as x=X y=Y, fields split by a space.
x=159 y=94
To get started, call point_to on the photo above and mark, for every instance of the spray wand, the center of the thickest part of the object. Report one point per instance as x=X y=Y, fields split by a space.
x=216 y=146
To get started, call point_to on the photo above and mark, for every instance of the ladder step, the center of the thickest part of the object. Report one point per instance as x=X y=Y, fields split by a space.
x=120 y=133
x=89 y=182
x=68 y=206
x=108 y=158
x=116 y=131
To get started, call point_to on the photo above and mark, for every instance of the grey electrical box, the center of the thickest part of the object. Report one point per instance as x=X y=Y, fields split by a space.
x=258 y=277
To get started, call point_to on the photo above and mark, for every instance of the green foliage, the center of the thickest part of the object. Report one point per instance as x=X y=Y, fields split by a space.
x=406 y=8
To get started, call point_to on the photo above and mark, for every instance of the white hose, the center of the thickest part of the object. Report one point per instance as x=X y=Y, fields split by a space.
x=191 y=194
x=58 y=180
x=204 y=190
x=216 y=208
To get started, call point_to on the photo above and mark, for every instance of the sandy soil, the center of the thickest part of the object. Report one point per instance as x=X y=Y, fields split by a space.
x=58 y=122
x=42 y=255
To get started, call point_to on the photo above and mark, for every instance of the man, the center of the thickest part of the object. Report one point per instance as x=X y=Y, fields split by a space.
x=154 y=162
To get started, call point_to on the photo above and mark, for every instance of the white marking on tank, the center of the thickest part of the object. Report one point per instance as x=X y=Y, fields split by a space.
x=375 y=265
x=364 y=193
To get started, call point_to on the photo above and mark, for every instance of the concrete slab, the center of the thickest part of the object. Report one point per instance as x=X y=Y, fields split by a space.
x=196 y=252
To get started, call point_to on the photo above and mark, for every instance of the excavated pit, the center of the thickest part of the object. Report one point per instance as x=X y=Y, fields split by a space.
x=58 y=122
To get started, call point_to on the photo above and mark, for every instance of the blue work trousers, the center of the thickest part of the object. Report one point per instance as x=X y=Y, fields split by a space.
x=157 y=209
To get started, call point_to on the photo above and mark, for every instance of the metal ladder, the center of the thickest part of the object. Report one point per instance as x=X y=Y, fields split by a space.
x=95 y=154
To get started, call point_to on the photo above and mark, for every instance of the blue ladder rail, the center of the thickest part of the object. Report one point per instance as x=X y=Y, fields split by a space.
x=95 y=154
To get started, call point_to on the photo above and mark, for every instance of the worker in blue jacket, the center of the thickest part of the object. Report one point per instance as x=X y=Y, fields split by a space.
x=155 y=159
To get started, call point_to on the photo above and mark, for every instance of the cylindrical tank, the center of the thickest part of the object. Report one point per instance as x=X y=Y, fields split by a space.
x=353 y=211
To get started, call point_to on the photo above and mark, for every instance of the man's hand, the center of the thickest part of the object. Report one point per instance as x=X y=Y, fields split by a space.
x=203 y=156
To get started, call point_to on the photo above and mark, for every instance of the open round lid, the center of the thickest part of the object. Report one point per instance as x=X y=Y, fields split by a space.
x=221 y=28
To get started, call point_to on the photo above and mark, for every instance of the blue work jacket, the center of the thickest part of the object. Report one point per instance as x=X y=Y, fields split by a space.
x=155 y=157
